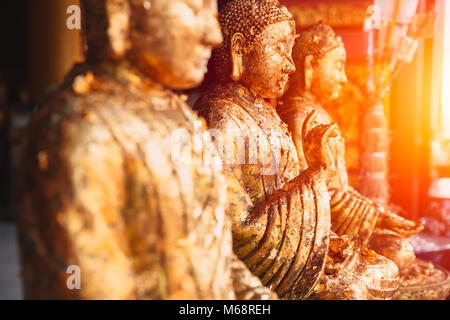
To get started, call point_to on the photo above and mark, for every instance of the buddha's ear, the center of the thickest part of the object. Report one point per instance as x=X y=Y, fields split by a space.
x=118 y=12
x=236 y=54
x=106 y=28
x=308 y=71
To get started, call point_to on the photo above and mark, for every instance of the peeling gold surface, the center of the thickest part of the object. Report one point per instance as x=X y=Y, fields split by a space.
x=102 y=189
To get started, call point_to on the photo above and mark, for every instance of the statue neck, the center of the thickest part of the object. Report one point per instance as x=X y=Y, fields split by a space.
x=301 y=94
x=297 y=89
x=129 y=75
x=246 y=93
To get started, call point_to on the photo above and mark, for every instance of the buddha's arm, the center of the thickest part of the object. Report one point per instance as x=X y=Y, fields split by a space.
x=247 y=286
x=284 y=237
x=351 y=213
x=72 y=216
x=357 y=216
x=295 y=120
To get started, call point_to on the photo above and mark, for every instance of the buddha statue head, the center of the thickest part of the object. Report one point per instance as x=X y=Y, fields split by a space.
x=170 y=41
x=257 y=48
x=319 y=56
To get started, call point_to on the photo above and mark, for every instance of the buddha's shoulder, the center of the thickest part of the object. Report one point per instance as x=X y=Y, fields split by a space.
x=64 y=124
x=220 y=108
x=297 y=106
x=65 y=108
x=217 y=100
x=70 y=119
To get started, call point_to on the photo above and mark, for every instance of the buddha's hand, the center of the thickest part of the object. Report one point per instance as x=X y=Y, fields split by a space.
x=315 y=143
x=391 y=221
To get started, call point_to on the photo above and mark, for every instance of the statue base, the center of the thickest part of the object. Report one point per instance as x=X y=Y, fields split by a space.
x=425 y=281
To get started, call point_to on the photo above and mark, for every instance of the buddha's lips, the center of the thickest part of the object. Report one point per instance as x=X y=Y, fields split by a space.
x=203 y=58
x=337 y=92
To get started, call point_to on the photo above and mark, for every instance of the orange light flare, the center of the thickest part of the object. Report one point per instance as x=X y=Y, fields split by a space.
x=439 y=126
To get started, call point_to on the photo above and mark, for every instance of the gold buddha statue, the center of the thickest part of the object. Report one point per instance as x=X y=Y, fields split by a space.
x=320 y=57
x=280 y=213
x=102 y=189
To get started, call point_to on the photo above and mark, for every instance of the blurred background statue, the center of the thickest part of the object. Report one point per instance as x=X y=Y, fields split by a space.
x=104 y=190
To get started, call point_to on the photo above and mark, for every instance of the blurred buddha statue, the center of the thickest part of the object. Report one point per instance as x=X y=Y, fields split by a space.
x=103 y=190
x=280 y=212
x=320 y=58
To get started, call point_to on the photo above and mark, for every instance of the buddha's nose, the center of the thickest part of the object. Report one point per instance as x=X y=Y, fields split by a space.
x=289 y=67
x=213 y=33
x=344 y=78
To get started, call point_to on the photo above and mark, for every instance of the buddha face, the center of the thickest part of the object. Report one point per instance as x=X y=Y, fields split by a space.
x=267 y=64
x=328 y=74
x=172 y=40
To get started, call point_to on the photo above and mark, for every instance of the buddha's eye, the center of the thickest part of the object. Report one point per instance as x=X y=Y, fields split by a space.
x=211 y=4
x=194 y=5
x=194 y=10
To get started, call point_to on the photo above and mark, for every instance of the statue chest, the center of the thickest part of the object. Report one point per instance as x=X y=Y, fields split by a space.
x=269 y=156
x=177 y=187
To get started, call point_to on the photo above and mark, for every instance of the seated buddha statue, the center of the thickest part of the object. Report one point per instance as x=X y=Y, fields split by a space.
x=280 y=213
x=101 y=188
x=320 y=59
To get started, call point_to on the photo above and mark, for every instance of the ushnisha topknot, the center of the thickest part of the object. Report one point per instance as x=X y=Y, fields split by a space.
x=316 y=40
x=248 y=17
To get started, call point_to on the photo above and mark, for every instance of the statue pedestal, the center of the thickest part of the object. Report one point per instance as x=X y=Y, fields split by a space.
x=425 y=282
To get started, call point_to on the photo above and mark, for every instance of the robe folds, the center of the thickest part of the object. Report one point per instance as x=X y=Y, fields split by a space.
x=280 y=211
x=281 y=216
